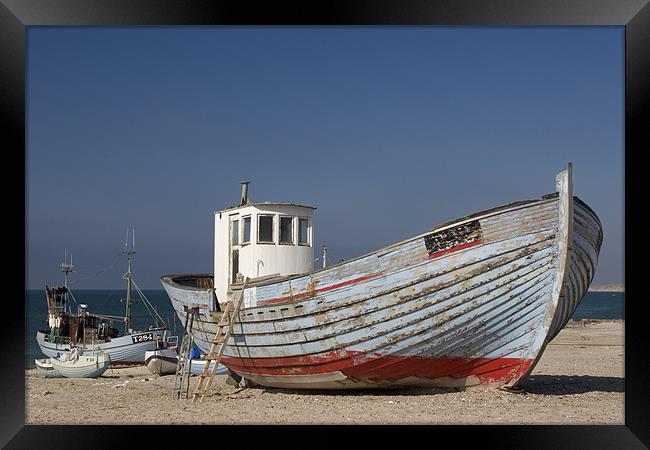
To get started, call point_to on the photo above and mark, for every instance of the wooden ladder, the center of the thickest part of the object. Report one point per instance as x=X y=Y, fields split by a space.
x=183 y=365
x=228 y=318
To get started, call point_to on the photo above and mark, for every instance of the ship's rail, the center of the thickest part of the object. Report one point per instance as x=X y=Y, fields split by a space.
x=194 y=281
x=57 y=339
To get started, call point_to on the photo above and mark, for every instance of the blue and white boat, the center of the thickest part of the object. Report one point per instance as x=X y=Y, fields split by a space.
x=79 y=365
x=94 y=332
x=197 y=365
x=163 y=361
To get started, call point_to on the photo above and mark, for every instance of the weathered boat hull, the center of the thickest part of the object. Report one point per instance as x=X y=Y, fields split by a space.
x=473 y=302
x=122 y=350
x=87 y=366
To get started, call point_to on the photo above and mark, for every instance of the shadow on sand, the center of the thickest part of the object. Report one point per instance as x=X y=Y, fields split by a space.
x=571 y=384
x=364 y=392
x=537 y=384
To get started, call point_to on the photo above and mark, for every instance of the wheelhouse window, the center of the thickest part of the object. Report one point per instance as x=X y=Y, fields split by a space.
x=235 y=265
x=265 y=229
x=286 y=230
x=235 y=232
x=247 y=230
x=303 y=231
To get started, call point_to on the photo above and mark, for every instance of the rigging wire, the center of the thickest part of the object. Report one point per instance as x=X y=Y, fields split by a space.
x=153 y=313
x=72 y=295
x=97 y=273
x=146 y=301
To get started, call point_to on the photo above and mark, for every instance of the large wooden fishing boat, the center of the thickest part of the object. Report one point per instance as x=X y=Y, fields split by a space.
x=470 y=302
x=94 y=332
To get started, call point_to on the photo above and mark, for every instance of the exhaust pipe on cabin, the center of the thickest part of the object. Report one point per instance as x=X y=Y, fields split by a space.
x=244 y=193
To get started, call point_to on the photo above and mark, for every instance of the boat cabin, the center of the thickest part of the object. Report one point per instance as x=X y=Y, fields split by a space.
x=64 y=326
x=261 y=239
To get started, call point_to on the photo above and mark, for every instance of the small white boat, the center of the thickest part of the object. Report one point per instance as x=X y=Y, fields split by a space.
x=82 y=366
x=45 y=369
x=164 y=361
x=196 y=368
x=161 y=361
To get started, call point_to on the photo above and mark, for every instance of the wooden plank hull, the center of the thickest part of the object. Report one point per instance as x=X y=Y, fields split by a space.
x=470 y=303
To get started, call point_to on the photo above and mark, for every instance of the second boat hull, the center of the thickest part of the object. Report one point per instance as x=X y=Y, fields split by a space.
x=87 y=366
x=161 y=361
x=129 y=349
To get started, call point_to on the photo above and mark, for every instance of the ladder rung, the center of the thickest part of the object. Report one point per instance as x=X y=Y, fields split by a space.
x=219 y=340
x=223 y=324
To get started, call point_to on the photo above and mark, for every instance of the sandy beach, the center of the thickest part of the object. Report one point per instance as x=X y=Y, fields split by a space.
x=579 y=380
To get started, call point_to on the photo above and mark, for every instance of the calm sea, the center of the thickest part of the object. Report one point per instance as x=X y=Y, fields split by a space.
x=595 y=305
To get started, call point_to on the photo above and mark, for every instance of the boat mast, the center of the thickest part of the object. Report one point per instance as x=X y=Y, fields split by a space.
x=127 y=277
x=66 y=268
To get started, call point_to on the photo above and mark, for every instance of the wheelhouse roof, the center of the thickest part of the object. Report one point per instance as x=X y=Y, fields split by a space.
x=231 y=208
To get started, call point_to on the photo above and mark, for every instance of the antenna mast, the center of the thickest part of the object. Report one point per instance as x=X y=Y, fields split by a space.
x=127 y=277
x=66 y=268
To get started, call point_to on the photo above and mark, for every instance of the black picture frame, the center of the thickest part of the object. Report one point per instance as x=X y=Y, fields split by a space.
x=634 y=15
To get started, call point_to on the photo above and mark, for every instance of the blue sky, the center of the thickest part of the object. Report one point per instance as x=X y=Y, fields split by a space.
x=388 y=131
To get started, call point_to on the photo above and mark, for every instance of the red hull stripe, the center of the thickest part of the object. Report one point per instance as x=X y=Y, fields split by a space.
x=387 y=368
x=325 y=289
x=455 y=249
